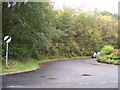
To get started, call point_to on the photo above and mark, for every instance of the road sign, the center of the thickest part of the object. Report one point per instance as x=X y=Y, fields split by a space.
x=7 y=39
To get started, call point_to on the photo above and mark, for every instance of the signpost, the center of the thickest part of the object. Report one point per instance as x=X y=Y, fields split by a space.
x=7 y=39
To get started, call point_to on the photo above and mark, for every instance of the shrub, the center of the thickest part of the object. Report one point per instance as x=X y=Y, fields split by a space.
x=113 y=57
x=19 y=52
x=107 y=50
x=109 y=59
x=102 y=58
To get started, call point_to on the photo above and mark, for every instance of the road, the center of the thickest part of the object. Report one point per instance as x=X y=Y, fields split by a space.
x=66 y=74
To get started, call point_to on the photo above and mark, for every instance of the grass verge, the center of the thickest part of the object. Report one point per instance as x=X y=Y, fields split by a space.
x=15 y=65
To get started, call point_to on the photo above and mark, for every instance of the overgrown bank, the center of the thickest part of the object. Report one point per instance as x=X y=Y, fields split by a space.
x=15 y=66
x=109 y=55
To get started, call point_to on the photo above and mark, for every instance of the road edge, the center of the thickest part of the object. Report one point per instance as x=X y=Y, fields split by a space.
x=95 y=62
x=39 y=66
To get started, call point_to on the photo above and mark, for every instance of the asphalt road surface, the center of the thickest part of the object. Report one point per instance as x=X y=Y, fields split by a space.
x=66 y=74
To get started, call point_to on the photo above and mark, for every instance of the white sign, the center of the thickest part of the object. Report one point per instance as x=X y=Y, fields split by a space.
x=7 y=39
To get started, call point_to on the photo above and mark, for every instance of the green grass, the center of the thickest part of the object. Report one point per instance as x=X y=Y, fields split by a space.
x=15 y=65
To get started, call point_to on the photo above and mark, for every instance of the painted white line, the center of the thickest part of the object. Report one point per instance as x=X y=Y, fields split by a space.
x=14 y=86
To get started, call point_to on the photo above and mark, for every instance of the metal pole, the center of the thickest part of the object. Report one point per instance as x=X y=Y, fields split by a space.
x=7 y=54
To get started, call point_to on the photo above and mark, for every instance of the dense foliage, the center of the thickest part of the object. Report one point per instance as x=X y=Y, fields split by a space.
x=107 y=55
x=107 y=50
x=39 y=30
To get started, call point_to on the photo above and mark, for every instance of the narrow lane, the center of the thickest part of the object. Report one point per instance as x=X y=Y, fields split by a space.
x=66 y=74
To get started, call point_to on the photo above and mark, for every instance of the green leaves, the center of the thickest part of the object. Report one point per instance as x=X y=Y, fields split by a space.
x=37 y=29
x=107 y=50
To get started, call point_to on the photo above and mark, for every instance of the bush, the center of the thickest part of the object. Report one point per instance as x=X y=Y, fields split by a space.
x=113 y=57
x=102 y=58
x=107 y=50
x=19 y=52
x=109 y=59
x=106 y=57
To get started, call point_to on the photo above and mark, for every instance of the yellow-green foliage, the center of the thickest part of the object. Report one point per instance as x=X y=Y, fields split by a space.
x=39 y=30
x=106 y=56
x=107 y=50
